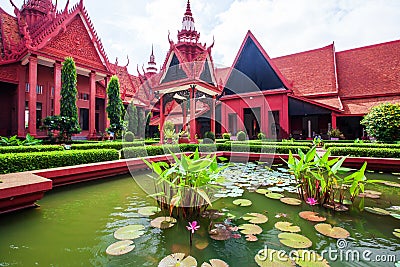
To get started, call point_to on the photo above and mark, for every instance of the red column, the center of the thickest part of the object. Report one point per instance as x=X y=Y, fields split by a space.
x=92 y=104
x=106 y=119
x=162 y=118
x=334 y=116
x=57 y=87
x=32 y=95
x=213 y=114
x=21 y=100
x=284 y=130
x=193 y=115
x=184 y=106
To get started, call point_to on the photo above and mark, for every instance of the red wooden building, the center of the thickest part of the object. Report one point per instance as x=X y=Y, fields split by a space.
x=295 y=95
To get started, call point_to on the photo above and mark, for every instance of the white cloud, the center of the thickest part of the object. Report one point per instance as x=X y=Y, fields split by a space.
x=282 y=26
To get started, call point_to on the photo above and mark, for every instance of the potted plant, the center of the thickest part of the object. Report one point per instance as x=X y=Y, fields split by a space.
x=169 y=135
x=334 y=134
x=183 y=137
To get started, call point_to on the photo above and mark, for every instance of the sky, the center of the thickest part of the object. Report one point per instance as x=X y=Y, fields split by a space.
x=283 y=27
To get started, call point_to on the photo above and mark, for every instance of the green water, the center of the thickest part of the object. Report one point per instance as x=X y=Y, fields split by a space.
x=75 y=225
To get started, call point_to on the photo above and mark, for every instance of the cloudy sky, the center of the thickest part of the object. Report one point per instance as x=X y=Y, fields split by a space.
x=130 y=27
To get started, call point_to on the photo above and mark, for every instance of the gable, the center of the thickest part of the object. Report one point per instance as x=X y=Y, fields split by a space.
x=206 y=75
x=174 y=71
x=252 y=63
x=75 y=41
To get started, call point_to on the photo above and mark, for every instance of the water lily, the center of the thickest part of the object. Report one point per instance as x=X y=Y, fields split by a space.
x=193 y=226
x=311 y=201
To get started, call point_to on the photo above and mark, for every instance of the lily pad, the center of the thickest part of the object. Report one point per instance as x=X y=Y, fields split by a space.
x=149 y=211
x=220 y=233
x=178 y=259
x=262 y=191
x=291 y=201
x=377 y=211
x=274 y=195
x=201 y=244
x=271 y=257
x=311 y=216
x=212 y=214
x=250 y=229
x=309 y=258
x=372 y=192
x=287 y=227
x=163 y=222
x=242 y=202
x=256 y=218
x=396 y=233
x=294 y=240
x=344 y=201
x=215 y=263
x=120 y=248
x=369 y=195
x=392 y=184
x=334 y=232
x=129 y=232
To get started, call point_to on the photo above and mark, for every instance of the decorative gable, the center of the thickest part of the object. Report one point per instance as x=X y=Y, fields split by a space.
x=206 y=75
x=253 y=70
x=75 y=41
x=174 y=71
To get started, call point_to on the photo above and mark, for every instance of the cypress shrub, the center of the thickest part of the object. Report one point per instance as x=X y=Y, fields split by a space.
x=19 y=162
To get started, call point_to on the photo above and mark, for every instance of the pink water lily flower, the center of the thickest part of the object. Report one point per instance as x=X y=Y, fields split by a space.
x=193 y=226
x=311 y=201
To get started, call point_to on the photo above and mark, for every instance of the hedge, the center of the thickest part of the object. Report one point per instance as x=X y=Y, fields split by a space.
x=27 y=149
x=367 y=145
x=366 y=152
x=260 y=142
x=20 y=162
x=107 y=145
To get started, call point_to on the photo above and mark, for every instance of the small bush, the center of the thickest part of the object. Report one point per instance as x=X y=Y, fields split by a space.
x=241 y=136
x=261 y=136
x=210 y=135
x=226 y=136
x=19 y=162
x=129 y=136
x=27 y=149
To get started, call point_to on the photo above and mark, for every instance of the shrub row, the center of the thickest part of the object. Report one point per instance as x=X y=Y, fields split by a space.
x=27 y=149
x=365 y=145
x=106 y=145
x=20 y=162
x=279 y=149
x=251 y=143
x=366 y=152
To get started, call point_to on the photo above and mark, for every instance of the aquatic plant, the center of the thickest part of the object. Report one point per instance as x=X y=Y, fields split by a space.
x=324 y=179
x=193 y=226
x=186 y=185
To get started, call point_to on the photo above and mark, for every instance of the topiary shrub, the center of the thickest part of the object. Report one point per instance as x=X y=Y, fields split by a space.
x=129 y=136
x=261 y=136
x=241 y=136
x=383 y=122
x=226 y=136
x=209 y=138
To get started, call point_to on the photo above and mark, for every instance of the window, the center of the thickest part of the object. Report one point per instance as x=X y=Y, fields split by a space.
x=84 y=96
x=39 y=89
x=26 y=114
x=27 y=87
x=52 y=91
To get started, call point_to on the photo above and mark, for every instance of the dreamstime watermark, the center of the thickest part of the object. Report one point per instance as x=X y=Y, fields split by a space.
x=342 y=253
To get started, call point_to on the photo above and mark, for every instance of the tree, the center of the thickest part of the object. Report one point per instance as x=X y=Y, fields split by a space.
x=132 y=118
x=147 y=131
x=141 y=122
x=115 y=107
x=383 y=122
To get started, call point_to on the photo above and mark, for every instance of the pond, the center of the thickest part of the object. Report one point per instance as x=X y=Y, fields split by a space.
x=75 y=225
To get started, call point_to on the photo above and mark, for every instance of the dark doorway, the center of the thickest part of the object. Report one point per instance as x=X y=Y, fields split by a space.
x=274 y=125
x=252 y=122
x=232 y=123
x=350 y=127
x=8 y=114
x=84 y=119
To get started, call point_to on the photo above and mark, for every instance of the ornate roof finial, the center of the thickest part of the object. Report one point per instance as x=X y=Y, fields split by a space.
x=188 y=10
x=127 y=64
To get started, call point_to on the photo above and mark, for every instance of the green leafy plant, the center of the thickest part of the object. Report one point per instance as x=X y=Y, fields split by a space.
x=383 y=122
x=335 y=133
x=12 y=141
x=64 y=126
x=261 y=136
x=170 y=135
x=129 y=136
x=324 y=179
x=31 y=141
x=226 y=136
x=115 y=107
x=317 y=141
x=185 y=186
x=241 y=136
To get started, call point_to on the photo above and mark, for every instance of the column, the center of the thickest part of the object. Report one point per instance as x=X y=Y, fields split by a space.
x=224 y=118
x=92 y=104
x=212 y=121
x=193 y=114
x=21 y=101
x=184 y=112
x=334 y=117
x=32 y=95
x=162 y=118
x=57 y=87
x=106 y=119
x=284 y=118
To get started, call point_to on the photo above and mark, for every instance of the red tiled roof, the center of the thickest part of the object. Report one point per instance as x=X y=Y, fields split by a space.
x=311 y=72
x=333 y=101
x=126 y=85
x=369 y=70
x=10 y=29
x=363 y=105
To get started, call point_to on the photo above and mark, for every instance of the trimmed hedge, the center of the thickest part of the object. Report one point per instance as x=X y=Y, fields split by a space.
x=259 y=142
x=27 y=149
x=107 y=145
x=279 y=149
x=367 y=145
x=366 y=152
x=20 y=162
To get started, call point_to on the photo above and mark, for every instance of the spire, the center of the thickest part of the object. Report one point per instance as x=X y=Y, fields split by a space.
x=152 y=63
x=43 y=6
x=35 y=11
x=188 y=34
